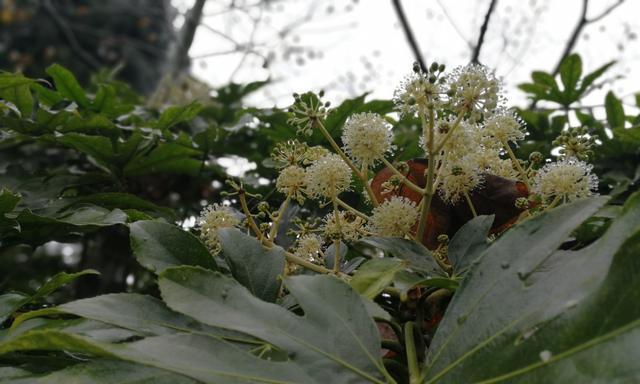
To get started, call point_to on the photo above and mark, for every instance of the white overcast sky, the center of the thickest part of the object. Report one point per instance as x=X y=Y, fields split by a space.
x=351 y=47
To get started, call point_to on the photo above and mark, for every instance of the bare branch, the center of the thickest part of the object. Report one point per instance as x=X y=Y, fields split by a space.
x=409 y=33
x=577 y=30
x=178 y=59
x=454 y=24
x=70 y=36
x=483 y=30
x=606 y=12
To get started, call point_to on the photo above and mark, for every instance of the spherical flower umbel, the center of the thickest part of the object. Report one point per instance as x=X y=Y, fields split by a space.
x=474 y=90
x=416 y=92
x=505 y=127
x=211 y=219
x=291 y=182
x=367 y=138
x=309 y=247
x=327 y=177
x=458 y=179
x=350 y=228
x=568 y=179
x=394 y=217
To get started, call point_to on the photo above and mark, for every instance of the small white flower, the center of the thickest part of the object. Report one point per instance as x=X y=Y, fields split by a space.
x=458 y=179
x=416 y=93
x=212 y=218
x=309 y=247
x=474 y=90
x=505 y=127
x=569 y=179
x=458 y=143
x=327 y=177
x=394 y=217
x=291 y=182
x=367 y=138
x=350 y=229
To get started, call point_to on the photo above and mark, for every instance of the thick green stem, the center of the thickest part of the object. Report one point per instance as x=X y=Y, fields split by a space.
x=427 y=194
x=276 y=222
x=361 y=175
x=412 y=357
x=404 y=179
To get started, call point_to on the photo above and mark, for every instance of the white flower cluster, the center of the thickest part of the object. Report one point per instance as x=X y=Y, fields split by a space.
x=367 y=138
x=568 y=179
x=394 y=218
x=327 y=177
x=212 y=218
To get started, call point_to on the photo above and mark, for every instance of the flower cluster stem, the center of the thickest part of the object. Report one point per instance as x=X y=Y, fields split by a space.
x=361 y=175
x=412 y=357
x=404 y=179
x=276 y=222
x=336 y=243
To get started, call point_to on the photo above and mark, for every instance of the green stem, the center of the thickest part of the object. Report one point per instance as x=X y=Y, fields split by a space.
x=362 y=176
x=412 y=358
x=404 y=179
x=427 y=194
x=336 y=243
x=268 y=243
x=276 y=222
x=473 y=209
x=516 y=163
x=351 y=209
x=553 y=204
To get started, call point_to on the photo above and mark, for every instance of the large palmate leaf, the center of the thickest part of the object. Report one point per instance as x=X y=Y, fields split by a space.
x=528 y=312
x=335 y=341
x=104 y=372
x=159 y=245
x=256 y=267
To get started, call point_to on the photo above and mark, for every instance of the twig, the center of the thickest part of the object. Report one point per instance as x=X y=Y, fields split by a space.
x=70 y=36
x=483 y=30
x=178 y=55
x=408 y=32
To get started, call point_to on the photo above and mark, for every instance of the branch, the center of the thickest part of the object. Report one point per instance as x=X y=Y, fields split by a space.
x=70 y=36
x=583 y=22
x=483 y=30
x=409 y=33
x=178 y=58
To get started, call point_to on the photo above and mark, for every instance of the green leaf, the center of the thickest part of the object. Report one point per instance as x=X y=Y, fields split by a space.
x=177 y=114
x=107 y=372
x=11 y=302
x=142 y=314
x=570 y=72
x=59 y=280
x=45 y=95
x=165 y=158
x=372 y=277
x=615 y=111
x=124 y=201
x=8 y=201
x=347 y=351
x=200 y=357
x=19 y=95
x=543 y=78
x=99 y=148
x=419 y=257
x=527 y=312
x=67 y=85
x=593 y=76
x=12 y=80
x=157 y=246
x=256 y=267
x=469 y=242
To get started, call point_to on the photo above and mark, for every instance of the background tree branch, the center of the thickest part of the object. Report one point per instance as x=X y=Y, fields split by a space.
x=408 y=32
x=483 y=30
